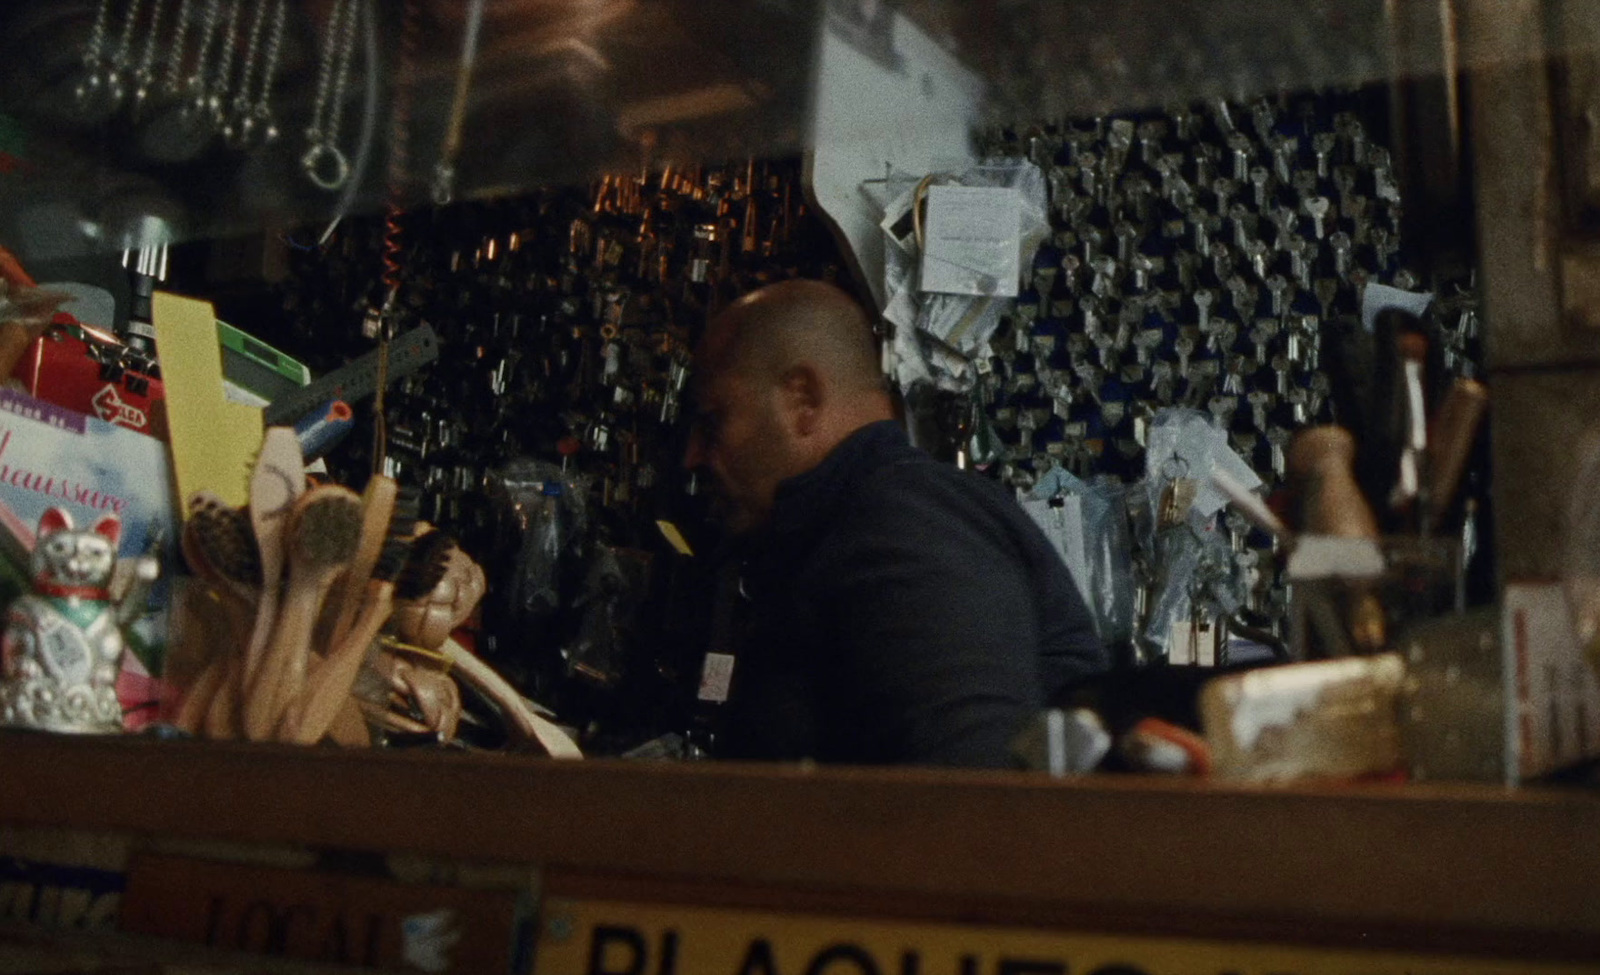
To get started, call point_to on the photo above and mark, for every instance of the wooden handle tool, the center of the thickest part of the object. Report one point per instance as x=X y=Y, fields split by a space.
x=322 y=535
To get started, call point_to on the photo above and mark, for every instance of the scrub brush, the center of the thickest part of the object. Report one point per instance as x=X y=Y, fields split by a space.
x=331 y=683
x=322 y=534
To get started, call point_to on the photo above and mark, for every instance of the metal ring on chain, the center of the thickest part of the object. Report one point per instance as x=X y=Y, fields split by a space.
x=315 y=161
x=444 y=181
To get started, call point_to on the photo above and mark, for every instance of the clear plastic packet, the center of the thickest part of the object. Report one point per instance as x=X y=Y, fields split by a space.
x=546 y=507
x=1088 y=525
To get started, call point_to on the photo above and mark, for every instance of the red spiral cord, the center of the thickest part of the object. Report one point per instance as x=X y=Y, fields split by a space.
x=399 y=161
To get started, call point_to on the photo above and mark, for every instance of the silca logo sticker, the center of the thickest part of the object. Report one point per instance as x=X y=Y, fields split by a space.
x=110 y=407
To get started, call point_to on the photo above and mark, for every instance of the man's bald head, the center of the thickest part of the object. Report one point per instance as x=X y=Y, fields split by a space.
x=782 y=377
x=769 y=331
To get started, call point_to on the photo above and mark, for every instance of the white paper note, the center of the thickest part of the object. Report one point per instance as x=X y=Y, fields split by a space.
x=973 y=241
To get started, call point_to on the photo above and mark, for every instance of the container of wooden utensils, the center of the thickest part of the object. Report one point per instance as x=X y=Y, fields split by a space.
x=289 y=597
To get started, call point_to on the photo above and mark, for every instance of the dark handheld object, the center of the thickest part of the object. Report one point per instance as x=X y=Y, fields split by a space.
x=321 y=430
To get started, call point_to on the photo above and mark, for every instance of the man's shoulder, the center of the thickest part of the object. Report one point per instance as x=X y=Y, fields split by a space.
x=914 y=478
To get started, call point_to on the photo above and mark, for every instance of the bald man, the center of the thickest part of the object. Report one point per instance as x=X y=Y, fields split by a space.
x=902 y=611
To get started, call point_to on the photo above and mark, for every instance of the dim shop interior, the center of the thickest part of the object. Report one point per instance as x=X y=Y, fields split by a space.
x=1257 y=318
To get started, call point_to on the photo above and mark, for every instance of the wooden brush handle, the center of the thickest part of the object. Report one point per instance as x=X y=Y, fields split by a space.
x=1450 y=442
x=282 y=670
x=222 y=718
x=197 y=702
x=1331 y=503
x=331 y=685
x=377 y=505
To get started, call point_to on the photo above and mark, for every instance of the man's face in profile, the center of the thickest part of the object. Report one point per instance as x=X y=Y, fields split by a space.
x=739 y=436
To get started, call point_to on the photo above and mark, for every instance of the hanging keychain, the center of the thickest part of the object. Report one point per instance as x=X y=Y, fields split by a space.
x=245 y=113
x=444 y=171
x=324 y=163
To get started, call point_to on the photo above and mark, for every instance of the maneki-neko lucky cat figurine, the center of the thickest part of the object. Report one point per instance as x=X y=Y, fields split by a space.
x=63 y=642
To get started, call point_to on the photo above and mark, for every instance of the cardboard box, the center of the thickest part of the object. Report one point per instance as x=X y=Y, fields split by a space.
x=1552 y=693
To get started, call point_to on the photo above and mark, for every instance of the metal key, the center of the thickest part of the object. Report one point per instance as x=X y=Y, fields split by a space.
x=1203 y=300
x=1257 y=252
x=1317 y=208
x=1278 y=286
x=1327 y=289
x=1241 y=217
x=1284 y=148
x=1259 y=175
x=1280 y=368
x=1242 y=148
x=1162 y=381
x=1223 y=408
x=1323 y=144
x=1145 y=344
x=1260 y=401
x=1311 y=253
x=1187 y=263
x=1224 y=189
x=1221 y=261
x=1342 y=246
x=1184 y=346
x=1278 y=437
x=1105 y=271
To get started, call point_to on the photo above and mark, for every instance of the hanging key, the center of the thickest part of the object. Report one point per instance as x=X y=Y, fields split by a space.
x=1260 y=401
x=1311 y=253
x=1188 y=263
x=1241 y=217
x=1257 y=251
x=1280 y=289
x=1242 y=149
x=1261 y=335
x=1323 y=144
x=1223 y=409
x=1127 y=235
x=1162 y=381
x=1344 y=180
x=1298 y=398
x=1280 y=368
x=1224 y=189
x=1284 y=148
x=1259 y=177
x=1184 y=347
x=1318 y=390
x=1221 y=261
x=1203 y=300
x=1327 y=289
x=1317 y=209
x=1278 y=438
x=1236 y=368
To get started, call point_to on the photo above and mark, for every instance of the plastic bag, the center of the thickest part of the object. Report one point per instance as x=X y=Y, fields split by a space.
x=547 y=508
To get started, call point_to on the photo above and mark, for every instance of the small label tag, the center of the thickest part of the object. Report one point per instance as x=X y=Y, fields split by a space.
x=716 y=677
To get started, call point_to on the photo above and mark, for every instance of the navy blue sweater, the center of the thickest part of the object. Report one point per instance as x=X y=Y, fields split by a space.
x=902 y=611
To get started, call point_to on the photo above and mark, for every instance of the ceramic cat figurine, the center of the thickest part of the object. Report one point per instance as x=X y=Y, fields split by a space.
x=63 y=643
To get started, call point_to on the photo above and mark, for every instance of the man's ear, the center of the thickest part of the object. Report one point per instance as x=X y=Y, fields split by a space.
x=800 y=388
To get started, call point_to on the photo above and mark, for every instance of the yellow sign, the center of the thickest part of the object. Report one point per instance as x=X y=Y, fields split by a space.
x=585 y=937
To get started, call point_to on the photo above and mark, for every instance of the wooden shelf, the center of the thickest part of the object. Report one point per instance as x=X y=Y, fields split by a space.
x=1455 y=865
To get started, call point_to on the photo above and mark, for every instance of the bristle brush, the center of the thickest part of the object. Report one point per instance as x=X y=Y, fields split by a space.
x=323 y=532
x=220 y=550
x=331 y=683
x=425 y=566
x=439 y=586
